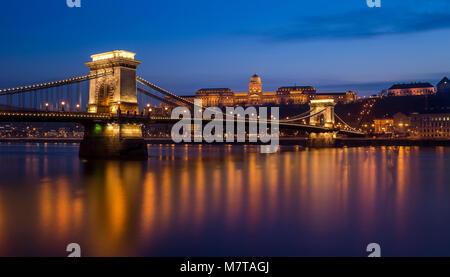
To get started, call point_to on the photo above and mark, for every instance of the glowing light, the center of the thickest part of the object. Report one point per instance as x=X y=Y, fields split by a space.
x=322 y=101
x=98 y=129
x=113 y=54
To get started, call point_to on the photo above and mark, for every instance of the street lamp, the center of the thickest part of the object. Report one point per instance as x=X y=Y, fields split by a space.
x=46 y=107
x=119 y=111
x=62 y=105
x=78 y=107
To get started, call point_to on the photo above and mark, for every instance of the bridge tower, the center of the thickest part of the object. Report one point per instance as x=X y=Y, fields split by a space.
x=117 y=88
x=323 y=111
x=326 y=117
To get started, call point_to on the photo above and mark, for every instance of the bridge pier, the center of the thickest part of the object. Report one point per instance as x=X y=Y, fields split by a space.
x=322 y=140
x=113 y=141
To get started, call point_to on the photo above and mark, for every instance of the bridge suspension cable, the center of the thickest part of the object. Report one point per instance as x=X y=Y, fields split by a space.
x=304 y=117
x=162 y=99
x=163 y=91
x=53 y=84
x=299 y=115
x=345 y=124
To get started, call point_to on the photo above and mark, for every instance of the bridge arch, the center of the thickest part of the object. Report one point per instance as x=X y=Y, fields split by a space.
x=323 y=113
x=104 y=96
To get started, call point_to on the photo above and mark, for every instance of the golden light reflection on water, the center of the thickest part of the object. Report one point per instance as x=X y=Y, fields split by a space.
x=401 y=181
x=148 y=214
x=130 y=208
x=166 y=198
x=3 y=235
x=233 y=193
x=199 y=188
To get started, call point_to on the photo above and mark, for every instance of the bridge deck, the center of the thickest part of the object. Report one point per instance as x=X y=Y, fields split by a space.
x=82 y=117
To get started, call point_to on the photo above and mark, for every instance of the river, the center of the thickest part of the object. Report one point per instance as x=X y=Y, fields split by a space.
x=202 y=200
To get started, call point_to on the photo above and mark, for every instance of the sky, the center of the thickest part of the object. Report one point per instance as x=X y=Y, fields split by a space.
x=334 y=45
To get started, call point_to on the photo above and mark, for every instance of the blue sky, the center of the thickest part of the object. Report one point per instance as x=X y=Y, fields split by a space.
x=187 y=45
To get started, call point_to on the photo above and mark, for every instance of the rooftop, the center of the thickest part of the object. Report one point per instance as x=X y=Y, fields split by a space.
x=297 y=87
x=210 y=89
x=332 y=93
x=444 y=81
x=411 y=85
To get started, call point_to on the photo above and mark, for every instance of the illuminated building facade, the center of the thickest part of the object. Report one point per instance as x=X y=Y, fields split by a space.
x=216 y=97
x=256 y=97
x=412 y=89
x=339 y=97
x=431 y=125
x=402 y=124
x=398 y=125
x=383 y=126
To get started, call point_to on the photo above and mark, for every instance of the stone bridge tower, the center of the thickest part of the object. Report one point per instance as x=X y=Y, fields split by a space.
x=118 y=139
x=118 y=87
x=326 y=118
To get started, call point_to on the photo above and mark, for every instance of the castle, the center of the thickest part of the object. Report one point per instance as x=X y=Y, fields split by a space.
x=223 y=97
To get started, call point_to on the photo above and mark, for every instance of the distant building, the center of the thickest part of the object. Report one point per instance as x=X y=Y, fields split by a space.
x=295 y=94
x=431 y=125
x=255 y=95
x=216 y=96
x=402 y=124
x=443 y=87
x=383 y=126
x=411 y=89
x=339 y=97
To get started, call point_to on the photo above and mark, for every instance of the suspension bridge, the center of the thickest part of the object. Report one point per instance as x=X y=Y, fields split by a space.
x=112 y=103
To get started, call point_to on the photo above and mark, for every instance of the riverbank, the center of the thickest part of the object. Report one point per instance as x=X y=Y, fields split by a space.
x=42 y=140
x=339 y=142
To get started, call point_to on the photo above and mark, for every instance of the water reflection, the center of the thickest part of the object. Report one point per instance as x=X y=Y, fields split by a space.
x=206 y=200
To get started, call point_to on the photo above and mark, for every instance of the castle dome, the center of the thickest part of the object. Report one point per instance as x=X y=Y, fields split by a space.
x=255 y=85
x=255 y=78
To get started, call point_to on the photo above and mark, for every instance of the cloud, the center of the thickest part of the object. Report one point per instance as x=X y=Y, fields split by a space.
x=393 y=18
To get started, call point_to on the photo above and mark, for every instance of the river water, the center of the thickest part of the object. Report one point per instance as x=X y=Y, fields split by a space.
x=225 y=201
